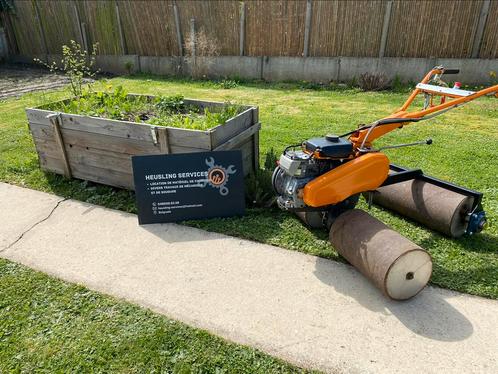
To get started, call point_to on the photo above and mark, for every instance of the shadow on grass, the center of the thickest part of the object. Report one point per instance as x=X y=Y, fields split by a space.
x=428 y=314
x=479 y=243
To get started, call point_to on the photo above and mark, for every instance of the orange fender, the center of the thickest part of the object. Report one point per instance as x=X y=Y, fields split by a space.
x=364 y=173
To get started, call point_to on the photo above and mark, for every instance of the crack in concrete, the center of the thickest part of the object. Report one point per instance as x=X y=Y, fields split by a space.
x=34 y=225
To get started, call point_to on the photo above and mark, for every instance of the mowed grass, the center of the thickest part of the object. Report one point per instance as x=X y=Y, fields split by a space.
x=50 y=326
x=464 y=152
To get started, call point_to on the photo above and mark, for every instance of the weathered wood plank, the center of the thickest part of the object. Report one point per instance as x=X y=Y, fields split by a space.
x=229 y=144
x=55 y=120
x=232 y=127
x=87 y=156
x=94 y=174
x=163 y=139
x=189 y=138
x=255 y=150
x=103 y=126
x=105 y=142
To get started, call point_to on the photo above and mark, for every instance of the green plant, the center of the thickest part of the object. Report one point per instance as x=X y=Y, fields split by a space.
x=172 y=103
x=270 y=160
x=226 y=84
x=397 y=84
x=353 y=82
x=259 y=188
x=218 y=117
x=493 y=76
x=76 y=64
x=373 y=81
x=128 y=65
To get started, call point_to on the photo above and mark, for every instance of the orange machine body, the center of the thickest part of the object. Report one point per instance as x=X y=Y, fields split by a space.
x=364 y=173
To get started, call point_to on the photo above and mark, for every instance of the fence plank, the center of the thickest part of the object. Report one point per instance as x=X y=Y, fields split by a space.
x=149 y=28
x=356 y=28
x=219 y=20
x=432 y=28
x=24 y=29
x=347 y=28
x=489 y=44
x=275 y=28
x=385 y=27
x=101 y=25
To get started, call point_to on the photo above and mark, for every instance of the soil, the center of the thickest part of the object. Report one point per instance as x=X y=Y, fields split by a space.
x=16 y=80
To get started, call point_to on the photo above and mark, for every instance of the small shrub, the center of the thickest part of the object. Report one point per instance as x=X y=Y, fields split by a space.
x=493 y=76
x=373 y=81
x=76 y=64
x=226 y=84
x=201 y=45
x=128 y=66
x=305 y=85
x=270 y=160
x=397 y=84
x=259 y=189
x=353 y=83
x=170 y=103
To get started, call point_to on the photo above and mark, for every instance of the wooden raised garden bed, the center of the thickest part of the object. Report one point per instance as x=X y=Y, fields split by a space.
x=100 y=150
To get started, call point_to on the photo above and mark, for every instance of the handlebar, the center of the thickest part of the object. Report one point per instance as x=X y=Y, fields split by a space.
x=451 y=71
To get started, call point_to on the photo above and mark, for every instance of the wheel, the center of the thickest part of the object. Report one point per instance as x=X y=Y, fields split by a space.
x=337 y=209
x=277 y=180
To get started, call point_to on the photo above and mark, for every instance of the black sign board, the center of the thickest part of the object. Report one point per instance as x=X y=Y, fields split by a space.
x=177 y=187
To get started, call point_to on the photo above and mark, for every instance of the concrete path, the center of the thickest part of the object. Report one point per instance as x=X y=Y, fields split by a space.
x=304 y=309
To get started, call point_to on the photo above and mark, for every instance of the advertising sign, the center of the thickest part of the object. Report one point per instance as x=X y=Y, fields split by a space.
x=178 y=187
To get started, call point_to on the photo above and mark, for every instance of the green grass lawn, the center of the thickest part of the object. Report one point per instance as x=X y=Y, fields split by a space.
x=51 y=326
x=465 y=151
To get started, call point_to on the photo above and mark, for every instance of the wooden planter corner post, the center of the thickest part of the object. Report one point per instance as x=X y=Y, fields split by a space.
x=55 y=120
x=100 y=150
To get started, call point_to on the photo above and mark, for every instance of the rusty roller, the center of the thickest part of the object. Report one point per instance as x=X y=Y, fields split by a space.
x=398 y=267
x=435 y=207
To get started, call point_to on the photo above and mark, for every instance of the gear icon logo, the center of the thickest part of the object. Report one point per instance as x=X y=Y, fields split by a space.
x=217 y=176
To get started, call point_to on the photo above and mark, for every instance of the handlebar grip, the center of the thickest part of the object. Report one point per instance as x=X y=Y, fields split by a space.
x=451 y=71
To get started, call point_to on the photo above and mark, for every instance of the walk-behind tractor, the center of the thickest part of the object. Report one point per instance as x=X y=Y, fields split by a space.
x=322 y=178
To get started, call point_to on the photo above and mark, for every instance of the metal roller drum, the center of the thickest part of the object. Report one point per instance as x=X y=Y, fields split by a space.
x=433 y=206
x=395 y=265
x=312 y=219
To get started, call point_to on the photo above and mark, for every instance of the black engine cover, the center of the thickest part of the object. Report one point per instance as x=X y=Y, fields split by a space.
x=335 y=147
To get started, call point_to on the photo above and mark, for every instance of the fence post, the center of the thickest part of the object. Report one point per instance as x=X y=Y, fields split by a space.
x=385 y=28
x=4 y=50
x=178 y=29
x=307 y=28
x=242 y=36
x=192 y=38
x=120 y=30
x=42 y=32
x=85 y=40
x=476 y=45
x=78 y=24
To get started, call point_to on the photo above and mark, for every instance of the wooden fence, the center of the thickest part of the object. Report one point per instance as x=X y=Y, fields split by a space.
x=378 y=28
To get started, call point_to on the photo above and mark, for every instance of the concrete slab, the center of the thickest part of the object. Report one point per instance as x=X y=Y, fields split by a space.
x=304 y=309
x=18 y=215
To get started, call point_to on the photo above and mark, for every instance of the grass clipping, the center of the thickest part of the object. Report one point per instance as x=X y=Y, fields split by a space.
x=158 y=111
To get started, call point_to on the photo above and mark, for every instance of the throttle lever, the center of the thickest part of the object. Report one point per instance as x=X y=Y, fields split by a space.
x=423 y=142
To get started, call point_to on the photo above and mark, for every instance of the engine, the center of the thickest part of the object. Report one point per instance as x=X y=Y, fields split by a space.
x=296 y=168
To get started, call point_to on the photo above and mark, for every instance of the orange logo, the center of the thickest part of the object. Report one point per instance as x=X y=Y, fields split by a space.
x=217 y=176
